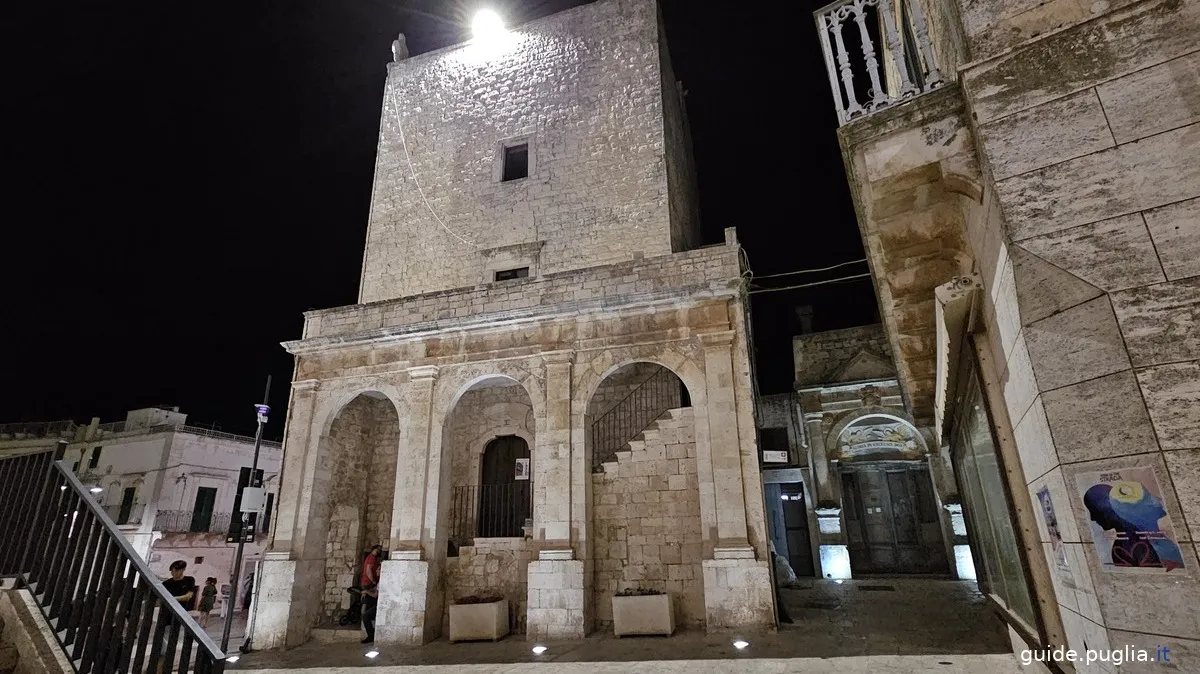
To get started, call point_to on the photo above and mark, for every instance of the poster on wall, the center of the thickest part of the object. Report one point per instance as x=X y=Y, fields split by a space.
x=1057 y=550
x=522 y=470
x=1131 y=528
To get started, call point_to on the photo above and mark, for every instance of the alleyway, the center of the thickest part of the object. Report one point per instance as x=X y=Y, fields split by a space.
x=920 y=625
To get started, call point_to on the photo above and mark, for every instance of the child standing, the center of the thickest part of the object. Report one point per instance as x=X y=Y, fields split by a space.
x=208 y=597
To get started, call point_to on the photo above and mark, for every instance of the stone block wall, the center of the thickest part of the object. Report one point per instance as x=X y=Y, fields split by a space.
x=819 y=355
x=361 y=445
x=646 y=519
x=492 y=566
x=584 y=89
x=1090 y=260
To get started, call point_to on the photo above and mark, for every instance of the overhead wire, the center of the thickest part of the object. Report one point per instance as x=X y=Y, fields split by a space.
x=809 y=285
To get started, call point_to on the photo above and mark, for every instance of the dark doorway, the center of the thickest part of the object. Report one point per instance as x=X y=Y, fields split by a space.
x=891 y=520
x=795 y=518
x=206 y=499
x=126 y=505
x=505 y=488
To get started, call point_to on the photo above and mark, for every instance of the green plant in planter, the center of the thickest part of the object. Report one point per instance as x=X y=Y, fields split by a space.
x=638 y=592
x=828 y=505
x=479 y=599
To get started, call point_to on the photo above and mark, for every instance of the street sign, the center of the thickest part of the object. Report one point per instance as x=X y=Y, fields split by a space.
x=775 y=456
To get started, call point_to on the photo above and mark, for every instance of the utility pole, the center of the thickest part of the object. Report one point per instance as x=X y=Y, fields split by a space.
x=252 y=500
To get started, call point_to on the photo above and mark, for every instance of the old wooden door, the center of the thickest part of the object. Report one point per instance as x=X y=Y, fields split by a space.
x=891 y=520
x=504 y=501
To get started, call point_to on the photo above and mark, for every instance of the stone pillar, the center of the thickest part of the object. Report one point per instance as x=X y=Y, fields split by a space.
x=737 y=586
x=725 y=444
x=820 y=458
x=556 y=579
x=410 y=606
x=287 y=606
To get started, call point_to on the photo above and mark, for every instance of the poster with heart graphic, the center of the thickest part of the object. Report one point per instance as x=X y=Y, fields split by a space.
x=1131 y=528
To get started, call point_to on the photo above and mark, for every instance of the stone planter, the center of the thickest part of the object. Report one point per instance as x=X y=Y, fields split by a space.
x=479 y=622
x=643 y=615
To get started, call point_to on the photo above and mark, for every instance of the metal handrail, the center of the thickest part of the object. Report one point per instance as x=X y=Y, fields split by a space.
x=98 y=594
x=490 y=511
x=634 y=413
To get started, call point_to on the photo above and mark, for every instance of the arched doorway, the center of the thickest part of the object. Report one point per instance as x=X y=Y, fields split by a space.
x=505 y=489
x=645 y=501
x=888 y=501
x=356 y=501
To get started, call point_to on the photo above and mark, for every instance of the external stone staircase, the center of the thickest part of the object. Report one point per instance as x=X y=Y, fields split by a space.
x=27 y=644
x=669 y=435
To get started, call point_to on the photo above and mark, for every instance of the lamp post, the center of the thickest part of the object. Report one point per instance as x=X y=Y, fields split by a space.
x=255 y=504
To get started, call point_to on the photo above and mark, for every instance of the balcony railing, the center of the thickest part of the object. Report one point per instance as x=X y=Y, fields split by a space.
x=123 y=516
x=490 y=511
x=891 y=33
x=191 y=522
x=106 y=609
x=37 y=429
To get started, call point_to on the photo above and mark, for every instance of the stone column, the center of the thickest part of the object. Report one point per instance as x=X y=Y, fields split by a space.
x=737 y=586
x=556 y=577
x=410 y=604
x=285 y=607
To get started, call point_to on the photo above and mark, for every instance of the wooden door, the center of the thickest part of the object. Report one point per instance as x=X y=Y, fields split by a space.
x=504 y=501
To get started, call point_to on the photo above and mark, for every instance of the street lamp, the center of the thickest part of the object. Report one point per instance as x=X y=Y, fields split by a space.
x=487 y=26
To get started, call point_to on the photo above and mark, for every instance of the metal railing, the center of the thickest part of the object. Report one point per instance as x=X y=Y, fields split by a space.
x=122 y=518
x=108 y=611
x=190 y=522
x=490 y=511
x=37 y=429
x=643 y=405
x=103 y=430
x=899 y=29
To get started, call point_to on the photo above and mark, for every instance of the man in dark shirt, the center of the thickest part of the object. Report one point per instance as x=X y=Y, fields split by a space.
x=182 y=588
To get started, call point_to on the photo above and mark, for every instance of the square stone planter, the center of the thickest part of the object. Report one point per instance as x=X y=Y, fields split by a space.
x=479 y=622
x=645 y=615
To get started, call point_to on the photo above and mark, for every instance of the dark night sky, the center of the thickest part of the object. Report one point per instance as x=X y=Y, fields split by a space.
x=191 y=177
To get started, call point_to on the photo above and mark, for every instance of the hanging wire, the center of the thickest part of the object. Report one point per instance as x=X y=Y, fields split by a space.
x=412 y=171
x=809 y=285
x=811 y=271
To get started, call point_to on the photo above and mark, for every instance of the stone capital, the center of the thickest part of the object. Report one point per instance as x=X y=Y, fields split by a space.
x=305 y=385
x=558 y=357
x=423 y=372
x=714 y=340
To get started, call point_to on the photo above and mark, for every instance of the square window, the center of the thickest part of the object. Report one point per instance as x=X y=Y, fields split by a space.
x=516 y=162
x=199 y=560
x=507 y=274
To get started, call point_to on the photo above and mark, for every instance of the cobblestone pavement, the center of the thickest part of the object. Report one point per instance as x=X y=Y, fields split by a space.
x=918 y=625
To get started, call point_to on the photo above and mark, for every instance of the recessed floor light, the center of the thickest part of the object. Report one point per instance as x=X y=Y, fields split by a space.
x=233 y=658
x=371 y=654
x=538 y=650
x=739 y=644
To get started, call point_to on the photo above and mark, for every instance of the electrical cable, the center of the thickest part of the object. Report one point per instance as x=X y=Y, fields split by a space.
x=811 y=271
x=809 y=285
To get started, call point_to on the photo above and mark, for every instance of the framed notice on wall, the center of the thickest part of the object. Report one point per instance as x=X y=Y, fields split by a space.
x=522 y=470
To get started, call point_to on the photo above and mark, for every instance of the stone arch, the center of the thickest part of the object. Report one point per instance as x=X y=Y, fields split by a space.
x=474 y=406
x=352 y=500
x=644 y=522
x=882 y=416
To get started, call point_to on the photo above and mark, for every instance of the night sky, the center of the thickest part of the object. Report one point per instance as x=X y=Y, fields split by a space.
x=190 y=177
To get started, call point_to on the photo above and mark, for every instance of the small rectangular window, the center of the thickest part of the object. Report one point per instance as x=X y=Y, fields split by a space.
x=516 y=162
x=95 y=461
x=507 y=274
x=774 y=439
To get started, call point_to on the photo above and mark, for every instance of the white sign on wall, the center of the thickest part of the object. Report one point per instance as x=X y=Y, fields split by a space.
x=522 y=470
x=775 y=456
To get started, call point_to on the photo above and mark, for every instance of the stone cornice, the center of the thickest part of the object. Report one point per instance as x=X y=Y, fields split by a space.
x=711 y=340
x=423 y=372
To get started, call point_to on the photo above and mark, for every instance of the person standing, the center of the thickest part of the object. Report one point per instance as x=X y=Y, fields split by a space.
x=208 y=599
x=369 y=583
x=182 y=588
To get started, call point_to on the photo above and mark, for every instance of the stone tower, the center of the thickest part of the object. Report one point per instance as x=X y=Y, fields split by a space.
x=544 y=392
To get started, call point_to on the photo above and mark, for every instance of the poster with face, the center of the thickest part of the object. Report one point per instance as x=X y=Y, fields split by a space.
x=522 y=470
x=1057 y=549
x=1131 y=529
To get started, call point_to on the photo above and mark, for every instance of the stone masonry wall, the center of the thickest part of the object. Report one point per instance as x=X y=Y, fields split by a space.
x=1092 y=265
x=491 y=566
x=362 y=445
x=583 y=89
x=646 y=517
x=683 y=274
x=819 y=355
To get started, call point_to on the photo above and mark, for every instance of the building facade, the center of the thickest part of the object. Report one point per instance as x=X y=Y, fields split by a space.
x=544 y=392
x=169 y=487
x=1025 y=183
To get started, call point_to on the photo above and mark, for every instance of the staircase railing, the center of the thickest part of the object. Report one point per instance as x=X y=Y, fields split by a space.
x=109 y=612
x=623 y=421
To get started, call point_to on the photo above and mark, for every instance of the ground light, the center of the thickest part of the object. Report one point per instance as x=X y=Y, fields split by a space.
x=739 y=644
x=538 y=650
x=96 y=490
x=233 y=658
x=372 y=654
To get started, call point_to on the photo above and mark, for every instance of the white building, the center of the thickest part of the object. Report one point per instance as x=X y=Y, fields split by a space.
x=170 y=487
